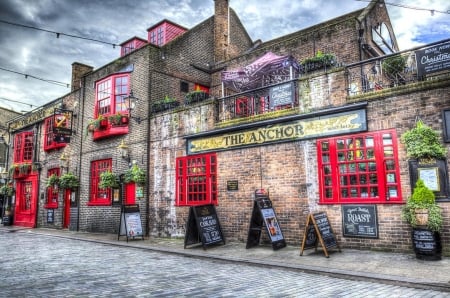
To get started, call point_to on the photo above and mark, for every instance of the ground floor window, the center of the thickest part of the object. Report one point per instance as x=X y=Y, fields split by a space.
x=196 y=177
x=99 y=196
x=359 y=168
x=52 y=191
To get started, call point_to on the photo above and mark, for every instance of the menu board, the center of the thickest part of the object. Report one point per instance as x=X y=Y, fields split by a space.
x=130 y=222
x=263 y=214
x=203 y=224
x=360 y=221
x=318 y=228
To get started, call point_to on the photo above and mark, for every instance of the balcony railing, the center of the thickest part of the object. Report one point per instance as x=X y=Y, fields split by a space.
x=402 y=68
x=277 y=98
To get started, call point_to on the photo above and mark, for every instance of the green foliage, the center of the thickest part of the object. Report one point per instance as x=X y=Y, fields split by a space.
x=7 y=190
x=325 y=59
x=135 y=174
x=53 y=181
x=108 y=179
x=423 y=142
x=423 y=198
x=69 y=181
x=393 y=65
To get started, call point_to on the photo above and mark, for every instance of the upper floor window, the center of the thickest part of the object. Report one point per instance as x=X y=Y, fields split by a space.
x=382 y=37
x=52 y=192
x=49 y=136
x=359 y=168
x=160 y=37
x=99 y=196
x=23 y=147
x=111 y=93
x=196 y=177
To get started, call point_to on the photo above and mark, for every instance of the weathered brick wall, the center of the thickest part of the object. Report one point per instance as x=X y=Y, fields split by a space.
x=289 y=170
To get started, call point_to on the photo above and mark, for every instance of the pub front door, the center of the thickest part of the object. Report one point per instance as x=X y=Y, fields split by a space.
x=26 y=202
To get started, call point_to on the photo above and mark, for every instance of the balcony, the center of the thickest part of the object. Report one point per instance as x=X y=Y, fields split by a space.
x=403 y=68
x=258 y=104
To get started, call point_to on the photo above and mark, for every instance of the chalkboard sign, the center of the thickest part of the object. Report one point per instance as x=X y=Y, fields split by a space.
x=427 y=244
x=130 y=222
x=360 y=221
x=264 y=214
x=318 y=228
x=50 y=215
x=281 y=95
x=203 y=227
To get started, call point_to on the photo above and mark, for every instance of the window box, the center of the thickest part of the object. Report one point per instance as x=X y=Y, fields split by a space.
x=118 y=119
x=166 y=104
x=318 y=62
x=195 y=96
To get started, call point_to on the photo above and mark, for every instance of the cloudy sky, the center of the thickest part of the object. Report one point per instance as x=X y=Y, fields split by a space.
x=41 y=56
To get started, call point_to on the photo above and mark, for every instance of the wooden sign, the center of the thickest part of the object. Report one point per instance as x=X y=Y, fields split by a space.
x=263 y=214
x=203 y=227
x=318 y=230
x=360 y=221
x=130 y=222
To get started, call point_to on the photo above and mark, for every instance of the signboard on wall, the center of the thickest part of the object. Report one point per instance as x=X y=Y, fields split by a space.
x=281 y=95
x=433 y=59
x=360 y=221
x=304 y=128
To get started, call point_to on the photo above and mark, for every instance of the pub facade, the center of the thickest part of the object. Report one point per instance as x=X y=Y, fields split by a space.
x=314 y=118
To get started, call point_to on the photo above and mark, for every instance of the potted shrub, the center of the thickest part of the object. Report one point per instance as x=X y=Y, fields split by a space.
x=108 y=180
x=423 y=142
x=69 y=181
x=135 y=174
x=422 y=210
x=53 y=181
x=7 y=190
x=393 y=66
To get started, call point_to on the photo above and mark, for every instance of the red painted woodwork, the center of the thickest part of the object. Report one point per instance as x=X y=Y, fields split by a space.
x=26 y=202
x=131 y=45
x=66 y=218
x=196 y=178
x=163 y=32
x=110 y=131
x=49 y=142
x=130 y=193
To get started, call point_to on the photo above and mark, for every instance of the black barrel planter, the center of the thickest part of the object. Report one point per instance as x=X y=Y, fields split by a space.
x=426 y=244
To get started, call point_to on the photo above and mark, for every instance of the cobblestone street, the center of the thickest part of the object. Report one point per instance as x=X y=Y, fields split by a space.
x=46 y=266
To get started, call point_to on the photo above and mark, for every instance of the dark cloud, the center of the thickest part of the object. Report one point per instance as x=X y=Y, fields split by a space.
x=43 y=55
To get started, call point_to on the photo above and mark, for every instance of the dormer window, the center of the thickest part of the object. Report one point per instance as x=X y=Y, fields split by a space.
x=131 y=45
x=163 y=32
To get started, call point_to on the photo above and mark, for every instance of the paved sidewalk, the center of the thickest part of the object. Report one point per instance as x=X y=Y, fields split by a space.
x=393 y=268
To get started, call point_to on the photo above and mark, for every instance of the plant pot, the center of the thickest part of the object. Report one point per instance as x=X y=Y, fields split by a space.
x=104 y=123
x=124 y=120
x=421 y=217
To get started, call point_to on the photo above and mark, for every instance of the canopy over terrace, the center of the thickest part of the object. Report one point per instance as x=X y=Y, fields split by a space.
x=266 y=70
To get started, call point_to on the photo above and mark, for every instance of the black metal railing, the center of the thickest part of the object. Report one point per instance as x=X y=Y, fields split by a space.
x=257 y=102
x=388 y=71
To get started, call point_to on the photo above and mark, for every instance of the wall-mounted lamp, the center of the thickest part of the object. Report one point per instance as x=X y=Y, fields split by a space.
x=64 y=161
x=4 y=174
x=123 y=151
x=132 y=100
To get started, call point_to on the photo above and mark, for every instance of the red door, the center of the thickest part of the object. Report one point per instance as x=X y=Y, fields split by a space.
x=26 y=202
x=66 y=218
x=130 y=193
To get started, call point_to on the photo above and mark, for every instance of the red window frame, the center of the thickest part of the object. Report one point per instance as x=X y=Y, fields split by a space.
x=360 y=168
x=23 y=147
x=52 y=192
x=49 y=136
x=110 y=94
x=196 y=180
x=99 y=196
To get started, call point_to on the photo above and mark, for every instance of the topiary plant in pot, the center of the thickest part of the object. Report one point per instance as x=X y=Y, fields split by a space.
x=421 y=209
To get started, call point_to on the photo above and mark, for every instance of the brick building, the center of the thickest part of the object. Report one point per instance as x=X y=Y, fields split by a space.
x=215 y=109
